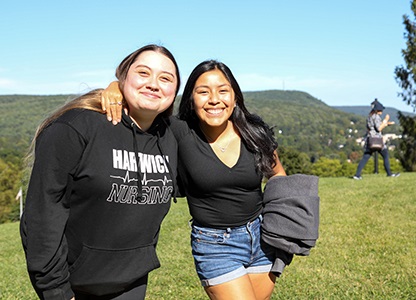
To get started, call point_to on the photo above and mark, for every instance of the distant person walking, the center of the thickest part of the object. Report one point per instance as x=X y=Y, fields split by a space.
x=375 y=125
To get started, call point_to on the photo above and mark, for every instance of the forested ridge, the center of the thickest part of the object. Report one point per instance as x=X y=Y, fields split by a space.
x=363 y=110
x=300 y=120
x=20 y=115
x=305 y=127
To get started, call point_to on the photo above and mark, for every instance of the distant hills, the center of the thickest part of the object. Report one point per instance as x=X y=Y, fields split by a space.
x=364 y=110
x=299 y=120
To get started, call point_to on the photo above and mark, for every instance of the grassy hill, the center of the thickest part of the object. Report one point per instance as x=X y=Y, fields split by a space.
x=366 y=248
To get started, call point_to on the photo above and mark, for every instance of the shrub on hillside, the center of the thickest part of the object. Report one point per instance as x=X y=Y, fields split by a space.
x=294 y=161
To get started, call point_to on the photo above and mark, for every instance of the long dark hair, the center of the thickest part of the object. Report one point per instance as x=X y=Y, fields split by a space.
x=254 y=132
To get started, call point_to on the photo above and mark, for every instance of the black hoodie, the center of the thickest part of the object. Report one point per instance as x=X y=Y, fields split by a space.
x=93 y=214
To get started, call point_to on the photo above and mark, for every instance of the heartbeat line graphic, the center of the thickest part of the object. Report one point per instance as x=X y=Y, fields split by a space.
x=127 y=179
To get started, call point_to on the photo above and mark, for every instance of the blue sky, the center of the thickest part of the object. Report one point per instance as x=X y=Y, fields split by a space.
x=341 y=52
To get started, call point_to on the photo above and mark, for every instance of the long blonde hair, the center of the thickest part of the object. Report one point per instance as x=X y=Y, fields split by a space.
x=90 y=101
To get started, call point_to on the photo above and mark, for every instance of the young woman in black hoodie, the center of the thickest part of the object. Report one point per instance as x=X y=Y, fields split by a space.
x=98 y=193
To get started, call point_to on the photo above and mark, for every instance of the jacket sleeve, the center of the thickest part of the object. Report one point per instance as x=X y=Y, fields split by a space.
x=57 y=153
x=291 y=217
x=291 y=212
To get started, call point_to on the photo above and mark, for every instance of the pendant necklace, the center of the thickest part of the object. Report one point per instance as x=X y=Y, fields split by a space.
x=222 y=148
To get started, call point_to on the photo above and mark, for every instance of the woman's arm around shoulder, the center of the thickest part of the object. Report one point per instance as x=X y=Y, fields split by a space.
x=179 y=127
x=111 y=102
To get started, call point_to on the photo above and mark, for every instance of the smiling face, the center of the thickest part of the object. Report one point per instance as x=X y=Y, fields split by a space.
x=214 y=99
x=150 y=86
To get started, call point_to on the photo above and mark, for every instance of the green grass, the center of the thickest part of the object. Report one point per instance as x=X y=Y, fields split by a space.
x=366 y=248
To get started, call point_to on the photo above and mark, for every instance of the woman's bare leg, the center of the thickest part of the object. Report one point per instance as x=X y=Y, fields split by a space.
x=263 y=285
x=237 y=289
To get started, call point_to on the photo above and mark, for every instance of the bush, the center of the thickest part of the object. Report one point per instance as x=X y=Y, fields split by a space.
x=293 y=161
x=326 y=167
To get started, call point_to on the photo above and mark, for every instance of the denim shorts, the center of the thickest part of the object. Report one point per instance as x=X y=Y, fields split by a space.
x=221 y=255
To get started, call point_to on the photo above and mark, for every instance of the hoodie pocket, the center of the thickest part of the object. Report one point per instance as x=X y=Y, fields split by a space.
x=100 y=272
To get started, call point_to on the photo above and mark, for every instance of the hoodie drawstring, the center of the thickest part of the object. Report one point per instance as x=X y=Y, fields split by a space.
x=136 y=154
